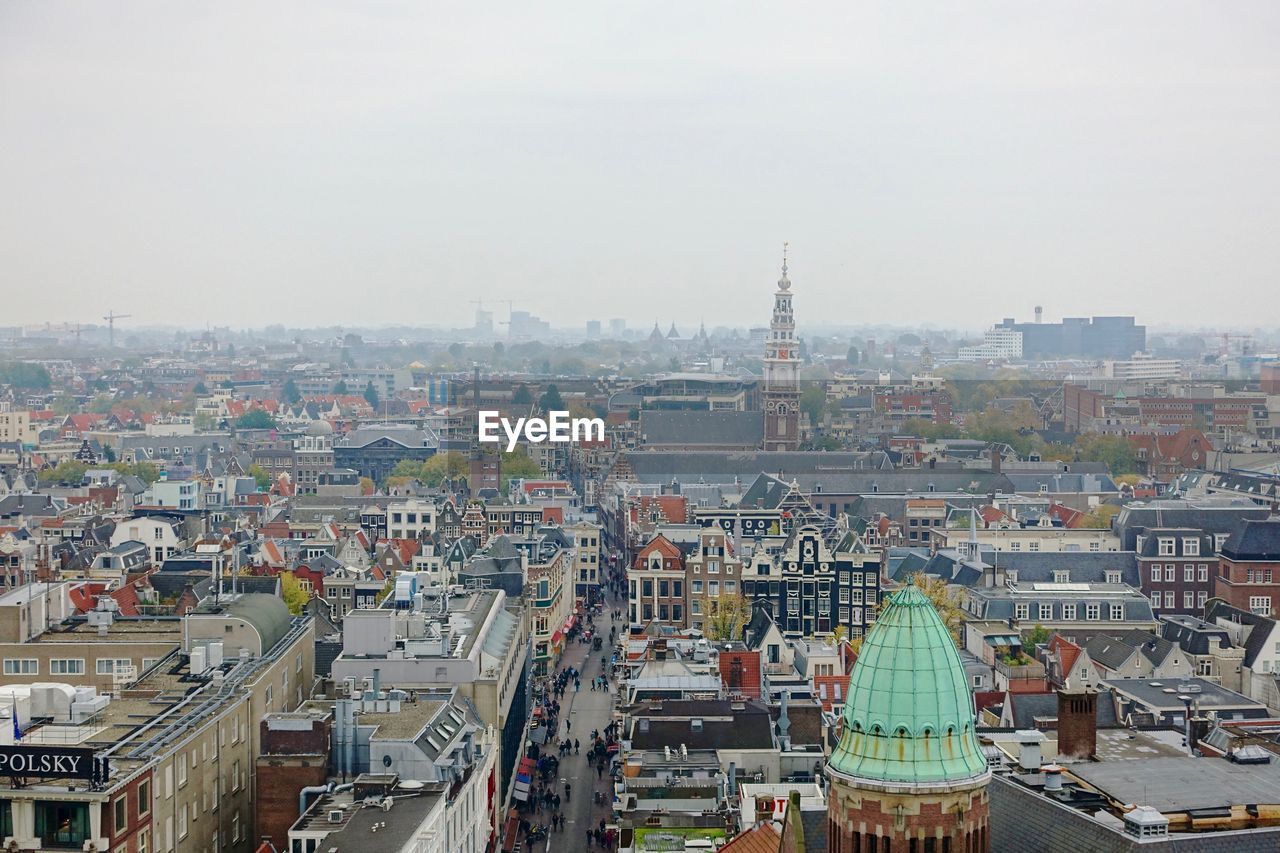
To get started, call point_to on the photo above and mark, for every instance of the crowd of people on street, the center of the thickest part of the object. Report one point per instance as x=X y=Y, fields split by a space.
x=546 y=798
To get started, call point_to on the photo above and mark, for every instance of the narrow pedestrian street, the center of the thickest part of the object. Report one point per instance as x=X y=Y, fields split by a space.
x=587 y=710
x=582 y=712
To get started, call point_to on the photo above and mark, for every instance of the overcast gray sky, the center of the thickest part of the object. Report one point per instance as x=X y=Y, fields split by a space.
x=359 y=163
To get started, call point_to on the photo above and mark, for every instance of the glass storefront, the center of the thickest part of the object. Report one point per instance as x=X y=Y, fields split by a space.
x=62 y=824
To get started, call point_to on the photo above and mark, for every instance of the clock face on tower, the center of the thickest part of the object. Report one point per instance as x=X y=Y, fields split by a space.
x=771 y=406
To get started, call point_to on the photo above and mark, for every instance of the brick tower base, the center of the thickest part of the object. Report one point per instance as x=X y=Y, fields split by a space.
x=867 y=818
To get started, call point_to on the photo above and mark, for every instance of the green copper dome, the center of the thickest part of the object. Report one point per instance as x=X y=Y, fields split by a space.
x=908 y=718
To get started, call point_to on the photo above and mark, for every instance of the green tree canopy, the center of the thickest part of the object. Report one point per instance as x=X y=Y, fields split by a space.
x=293 y=594
x=550 y=400
x=69 y=472
x=340 y=388
x=729 y=613
x=517 y=466
x=291 y=393
x=1114 y=451
x=371 y=395
x=256 y=419
x=260 y=476
x=813 y=400
x=26 y=375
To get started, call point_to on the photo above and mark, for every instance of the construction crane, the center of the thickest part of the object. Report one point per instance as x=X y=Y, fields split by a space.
x=111 y=318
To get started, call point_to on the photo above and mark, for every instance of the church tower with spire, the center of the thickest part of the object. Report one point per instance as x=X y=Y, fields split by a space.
x=782 y=371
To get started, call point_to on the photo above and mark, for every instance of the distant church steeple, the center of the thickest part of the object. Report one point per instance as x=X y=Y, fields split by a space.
x=782 y=371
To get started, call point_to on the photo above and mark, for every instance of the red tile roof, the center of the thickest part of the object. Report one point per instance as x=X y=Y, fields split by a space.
x=1066 y=651
x=762 y=838
x=127 y=597
x=836 y=689
x=740 y=672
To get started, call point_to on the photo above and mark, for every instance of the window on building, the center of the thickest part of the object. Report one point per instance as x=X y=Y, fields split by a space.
x=1092 y=611
x=144 y=799
x=1167 y=547
x=62 y=824
x=1046 y=611
x=1168 y=599
x=66 y=666
x=1188 y=600
x=1260 y=604
x=1157 y=572
x=108 y=666
x=1191 y=546
x=1020 y=611
x=1170 y=572
x=1202 y=572
x=1113 y=576
x=21 y=666
x=1060 y=576
x=1117 y=612
x=1201 y=598
x=1155 y=600
x=1069 y=612
x=120 y=814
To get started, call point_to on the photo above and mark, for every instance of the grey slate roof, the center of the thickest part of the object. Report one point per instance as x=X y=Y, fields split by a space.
x=1039 y=566
x=1254 y=539
x=1026 y=707
x=663 y=466
x=1194 y=636
x=1263 y=626
x=692 y=428
x=1058 y=482
x=1212 y=515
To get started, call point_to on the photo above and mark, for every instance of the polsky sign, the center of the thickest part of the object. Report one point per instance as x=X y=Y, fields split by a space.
x=51 y=762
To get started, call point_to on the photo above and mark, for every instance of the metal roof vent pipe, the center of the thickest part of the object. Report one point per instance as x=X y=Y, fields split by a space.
x=1052 y=778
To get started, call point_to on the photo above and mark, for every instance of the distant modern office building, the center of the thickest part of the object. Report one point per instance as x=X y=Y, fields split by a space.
x=1080 y=337
x=999 y=343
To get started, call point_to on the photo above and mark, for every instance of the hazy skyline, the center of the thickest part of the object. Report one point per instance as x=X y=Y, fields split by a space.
x=317 y=164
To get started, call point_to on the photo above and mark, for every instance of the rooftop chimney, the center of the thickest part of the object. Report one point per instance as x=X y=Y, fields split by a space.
x=1077 y=723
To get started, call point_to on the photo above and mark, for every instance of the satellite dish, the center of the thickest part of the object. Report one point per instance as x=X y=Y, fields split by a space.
x=412 y=785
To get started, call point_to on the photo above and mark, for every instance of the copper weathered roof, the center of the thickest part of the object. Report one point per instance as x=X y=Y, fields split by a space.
x=909 y=718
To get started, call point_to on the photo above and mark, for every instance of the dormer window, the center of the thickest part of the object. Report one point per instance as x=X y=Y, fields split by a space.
x=1168 y=547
